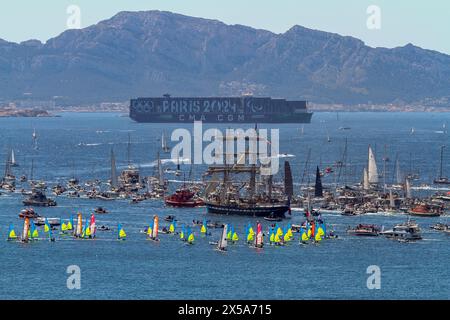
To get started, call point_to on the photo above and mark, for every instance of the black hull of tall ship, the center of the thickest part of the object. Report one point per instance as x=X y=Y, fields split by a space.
x=260 y=211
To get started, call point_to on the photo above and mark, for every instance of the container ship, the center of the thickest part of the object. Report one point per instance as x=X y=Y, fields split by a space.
x=246 y=109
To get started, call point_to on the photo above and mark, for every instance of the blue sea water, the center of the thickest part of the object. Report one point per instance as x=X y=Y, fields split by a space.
x=79 y=145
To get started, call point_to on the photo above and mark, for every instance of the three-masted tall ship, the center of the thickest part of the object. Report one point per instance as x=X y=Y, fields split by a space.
x=241 y=189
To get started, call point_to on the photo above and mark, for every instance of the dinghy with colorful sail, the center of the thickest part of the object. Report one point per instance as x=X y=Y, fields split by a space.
x=11 y=233
x=34 y=233
x=288 y=236
x=204 y=228
x=121 y=235
x=79 y=228
x=223 y=242
x=86 y=231
x=304 y=238
x=183 y=234
x=48 y=230
x=230 y=232
x=26 y=230
x=250 y=234
x=234 y=237
x=92 y=226
x=154 y=229
x=259 y=239
x=172 y=227
x=278 y=239
x=271 y=236
x=191 y=237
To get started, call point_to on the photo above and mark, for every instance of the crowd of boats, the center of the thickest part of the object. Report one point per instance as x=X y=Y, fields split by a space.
x=312 y=231
x=242 y=189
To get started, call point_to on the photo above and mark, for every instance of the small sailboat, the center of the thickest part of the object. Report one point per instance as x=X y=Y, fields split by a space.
x=223 y=242
x=372 y=168
x=165 y=148
x=304 y=237
x=26 y=231
x=204 y=228
x=250 y=234
x=79 y=228
x=12 y=159
x=234 y=237
x=183 y=234
x=191 y=237
x=259 y=239
x=34 y=137
x=92 y=226
x=33 y=233
x=48 y=230
x=121 y=235
x=172 y=227
x=153 y=229
x=11 y=233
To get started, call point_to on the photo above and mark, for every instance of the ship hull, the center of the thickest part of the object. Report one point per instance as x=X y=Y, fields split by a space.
x=219 y=118
x=261 y=211
x=218 y=110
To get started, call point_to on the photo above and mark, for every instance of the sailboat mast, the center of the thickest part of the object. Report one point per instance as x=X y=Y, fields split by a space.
x=441 y=164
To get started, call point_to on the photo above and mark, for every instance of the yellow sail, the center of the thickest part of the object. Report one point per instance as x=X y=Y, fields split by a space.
x=318 y=237
x=309 y=232
x=46 y=228
x=69 y=226
x=279 y=232
x=181 y=235
x=87 y=232
x=172 y=228
x=122 y=234
x=12 y=234
x=305 y=237
x=149 y=231
x=35 y=234
x=191 y=238
x=64 y=227
x=250 y=231
x=203 y=229
x=272 y=237
x=320 y=232
x=235 y=237
x=277 y=238
x=250 y=237
x=229 y=235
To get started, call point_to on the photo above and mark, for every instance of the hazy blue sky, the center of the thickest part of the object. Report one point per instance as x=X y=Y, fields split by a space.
x=423 y=23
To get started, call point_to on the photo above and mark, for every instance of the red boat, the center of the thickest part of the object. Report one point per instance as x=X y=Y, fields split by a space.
x=424 y=210
x=183 y=198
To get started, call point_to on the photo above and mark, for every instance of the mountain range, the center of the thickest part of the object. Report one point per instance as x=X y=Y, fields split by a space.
x=150 y=53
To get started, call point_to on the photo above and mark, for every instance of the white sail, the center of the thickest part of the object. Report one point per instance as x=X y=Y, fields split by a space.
x=160 y=172
x=372 y=168
x=366 y=185
x=223 y=243
x=408 y=189
x=13 y=158
x=163 y=142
